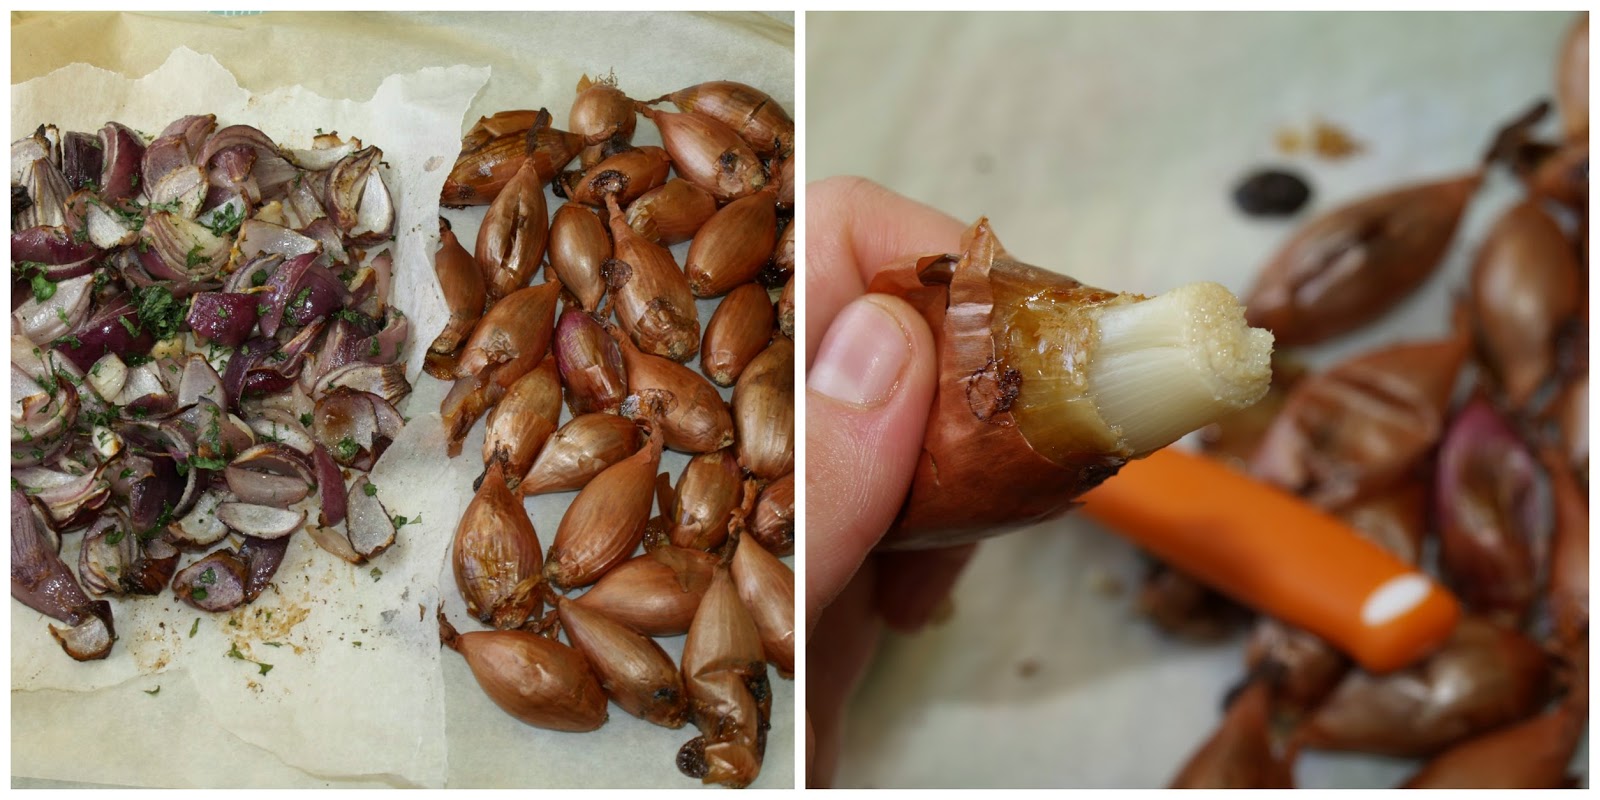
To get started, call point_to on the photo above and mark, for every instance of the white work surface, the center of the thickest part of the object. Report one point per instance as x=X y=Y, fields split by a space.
x=1106 y=146
x=465 y=740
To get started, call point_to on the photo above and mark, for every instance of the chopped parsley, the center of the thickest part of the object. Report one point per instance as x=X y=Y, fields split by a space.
x=114 y=537
x=258 y=278
x=200 y=462
x=305 y=419
x=208 y=577
x=370 y=490
x=159 y=312
x=226 y=220
x=199 y=593
x=153 y=692
x=346 y=449
x=377 y=574
x=194 y=628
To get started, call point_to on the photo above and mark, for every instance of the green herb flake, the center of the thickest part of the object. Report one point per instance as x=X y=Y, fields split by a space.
x=377 y=574
x=195 y=628
x=225 y=221
x=209 y=577
x=265 y=668
x=199 y=593
x=370 y=490
x=43 y=289
x=233 y=652
x=305 y=419
x=115 y=537
x=153 y=692
x=346 y=449
x=273 y=644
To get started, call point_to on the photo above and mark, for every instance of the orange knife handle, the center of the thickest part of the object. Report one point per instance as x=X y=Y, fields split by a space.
x=1232 y=533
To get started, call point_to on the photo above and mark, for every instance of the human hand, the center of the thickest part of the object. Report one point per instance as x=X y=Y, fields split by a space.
x=871 y=369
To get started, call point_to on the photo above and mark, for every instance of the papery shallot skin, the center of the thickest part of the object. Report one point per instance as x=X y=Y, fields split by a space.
x=1483 y=677
x=1532 y=754
x=1349 y=266
x=978 y=475
x=1525 y=289
x=633 y=669
x=496 y=148
x=496 y=556
x=750 y=112
x=541 y=682
x=1362 y=424
x=730 y=700
x=1241 y=753
x=1493 y=529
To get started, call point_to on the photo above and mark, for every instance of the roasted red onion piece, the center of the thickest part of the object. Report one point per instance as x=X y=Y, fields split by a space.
x=49 y=246
x=43 y=583
x=225 y=319
x=261 y=558
x=262 y=522
x=214 y=583
x=371 y=529
x=123 y=153
x=200 y=527
x=330 y=487
x=113 y=328
x=45 y=320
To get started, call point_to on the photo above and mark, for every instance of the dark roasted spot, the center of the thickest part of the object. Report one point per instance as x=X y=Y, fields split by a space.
x=728 y=161
x=1093 y=475
x=692 y=758
x=991 y=391
x=1271 y=193
x=666 y=694
x=609 y=181
x=617 y=273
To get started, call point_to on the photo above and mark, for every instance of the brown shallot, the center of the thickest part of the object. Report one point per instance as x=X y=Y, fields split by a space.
x=579 y=247
x=461 y=280
x=580 y=450
x=605 y=522
x=696 y=420
x=634 y=671
x=709 y=154
x=497 y=559
x=1525 y=289
x=672 y=212
x=651 y=296
x=600 y=113
x=539 y=681
x=739 y=330
x=763 y=412
x=656 y=593
x=730 y=701
x=766 y=585
x=522 y=421
x=593 y=377
x=497 y=147
x=513 y=235
x=733 y=245
x=1352 y=264
x=750 y=112
x=707 y=496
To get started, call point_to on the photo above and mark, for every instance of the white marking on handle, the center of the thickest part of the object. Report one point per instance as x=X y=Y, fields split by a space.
x=1394 y=598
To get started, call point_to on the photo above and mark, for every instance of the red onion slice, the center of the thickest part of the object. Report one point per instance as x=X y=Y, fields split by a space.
x=113 y=328
x=384 y=380
x=182 y=190
x=46 y=245
x=278 y=425
x=64 y=310
x=214 y=583
x=123 y=154
x=226 y=319
x=184 y=246
x=48 y=190
x=42 y=581
x=200 y=527
x=81 y=159
x=262 y=522
x=331 y=490
x=264 y=238
x=371 y=530
x=199 y=381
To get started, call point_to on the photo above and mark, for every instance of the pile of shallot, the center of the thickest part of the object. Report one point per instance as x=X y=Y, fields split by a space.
x=1466 y=455
x=202 y=353
x=710 y=563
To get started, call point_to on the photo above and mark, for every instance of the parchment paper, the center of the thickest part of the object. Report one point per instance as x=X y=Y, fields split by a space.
x=345 y=641
x=1106 y=146
x=536 y=59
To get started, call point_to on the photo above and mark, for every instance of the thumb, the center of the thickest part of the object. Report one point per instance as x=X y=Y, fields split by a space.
x=867 y=398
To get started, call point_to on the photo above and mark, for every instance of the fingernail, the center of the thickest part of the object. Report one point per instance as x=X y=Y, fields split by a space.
x=861 y=356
